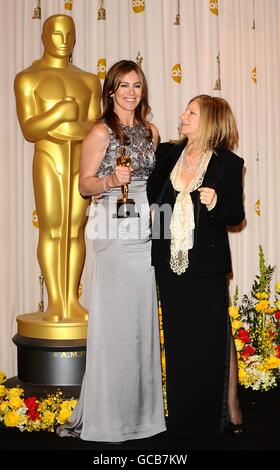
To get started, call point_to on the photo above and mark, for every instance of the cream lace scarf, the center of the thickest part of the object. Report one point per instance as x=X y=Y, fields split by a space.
x=182 y=221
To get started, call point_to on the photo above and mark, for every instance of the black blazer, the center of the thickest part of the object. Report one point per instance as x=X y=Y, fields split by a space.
x=210 y=255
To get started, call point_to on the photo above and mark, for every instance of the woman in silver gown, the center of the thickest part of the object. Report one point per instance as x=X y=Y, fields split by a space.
x=121 y=396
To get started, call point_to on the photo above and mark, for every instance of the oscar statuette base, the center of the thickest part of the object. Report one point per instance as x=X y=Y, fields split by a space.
x=33 y=326
x=125 y=209
x=50 y=362
x=50 y=354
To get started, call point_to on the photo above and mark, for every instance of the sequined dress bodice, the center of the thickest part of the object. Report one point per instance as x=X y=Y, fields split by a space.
x=140 y=150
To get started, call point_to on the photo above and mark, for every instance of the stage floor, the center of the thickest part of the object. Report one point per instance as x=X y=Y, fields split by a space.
x=262 y=416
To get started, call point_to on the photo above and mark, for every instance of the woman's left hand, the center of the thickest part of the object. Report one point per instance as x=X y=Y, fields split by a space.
x=206 y=195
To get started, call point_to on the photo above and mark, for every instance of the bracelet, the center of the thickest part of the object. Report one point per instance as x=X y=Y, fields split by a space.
x=106 y=190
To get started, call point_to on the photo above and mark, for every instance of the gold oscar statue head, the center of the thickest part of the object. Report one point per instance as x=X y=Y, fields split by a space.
x=59 y=35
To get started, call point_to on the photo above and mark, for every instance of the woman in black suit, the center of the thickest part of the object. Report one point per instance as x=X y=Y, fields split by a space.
x=195 y=191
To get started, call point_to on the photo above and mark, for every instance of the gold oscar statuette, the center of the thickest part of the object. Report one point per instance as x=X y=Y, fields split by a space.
x=57 y=104
x=125 y=206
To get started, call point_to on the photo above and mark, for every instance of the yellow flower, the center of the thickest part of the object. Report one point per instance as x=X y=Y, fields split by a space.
x=43 y=406
x=2 y=390
x=4 y=405
x=66 y=404
x=48 y=418
x=242 y=364
x=272 y=362
x=277 y=287
x=236 y=324
x=15 y=402
x=2 y=377
x=271 y=310
x=265 y=295
x=277 y=304
x=262 y=295
x=15 y=392
x=241 y=374
x=262 y=305
x=63 y=416
x=239 y=344
x=73 y=403
x=11 y=419
x=233 y=311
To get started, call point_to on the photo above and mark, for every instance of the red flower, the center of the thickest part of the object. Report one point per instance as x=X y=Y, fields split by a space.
x=277 y=314
x=278 y=351
x=247 y=351
x=33 y=415
x=31 y=403
x=243 y=335
x=272 y=334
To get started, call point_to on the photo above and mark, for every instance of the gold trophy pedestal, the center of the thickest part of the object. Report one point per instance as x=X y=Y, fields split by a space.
x=32 y=325
x=50 y=354
x=125 y=209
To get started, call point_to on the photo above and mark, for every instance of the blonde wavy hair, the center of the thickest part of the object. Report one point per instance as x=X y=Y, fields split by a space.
x=217 y=125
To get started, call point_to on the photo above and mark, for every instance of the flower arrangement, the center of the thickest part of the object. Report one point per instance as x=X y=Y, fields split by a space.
x=256 y=331
x=31 y=413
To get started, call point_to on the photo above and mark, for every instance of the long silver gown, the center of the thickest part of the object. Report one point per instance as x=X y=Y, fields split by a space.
x=121 y=395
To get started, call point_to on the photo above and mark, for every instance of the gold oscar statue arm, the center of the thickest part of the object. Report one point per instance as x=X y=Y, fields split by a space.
x=36 y=125
x=78 y=130
x=94 y=109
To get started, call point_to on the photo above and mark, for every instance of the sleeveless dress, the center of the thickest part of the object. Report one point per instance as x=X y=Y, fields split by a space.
x=121 y=396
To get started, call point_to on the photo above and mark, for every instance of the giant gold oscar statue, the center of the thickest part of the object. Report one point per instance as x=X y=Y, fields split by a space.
x=57 y=104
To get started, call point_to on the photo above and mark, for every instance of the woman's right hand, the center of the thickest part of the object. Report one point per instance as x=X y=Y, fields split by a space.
x=121 y=176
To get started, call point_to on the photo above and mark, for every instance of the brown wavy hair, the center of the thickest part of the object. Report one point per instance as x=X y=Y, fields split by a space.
x=217 y=125
x=112 y=82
